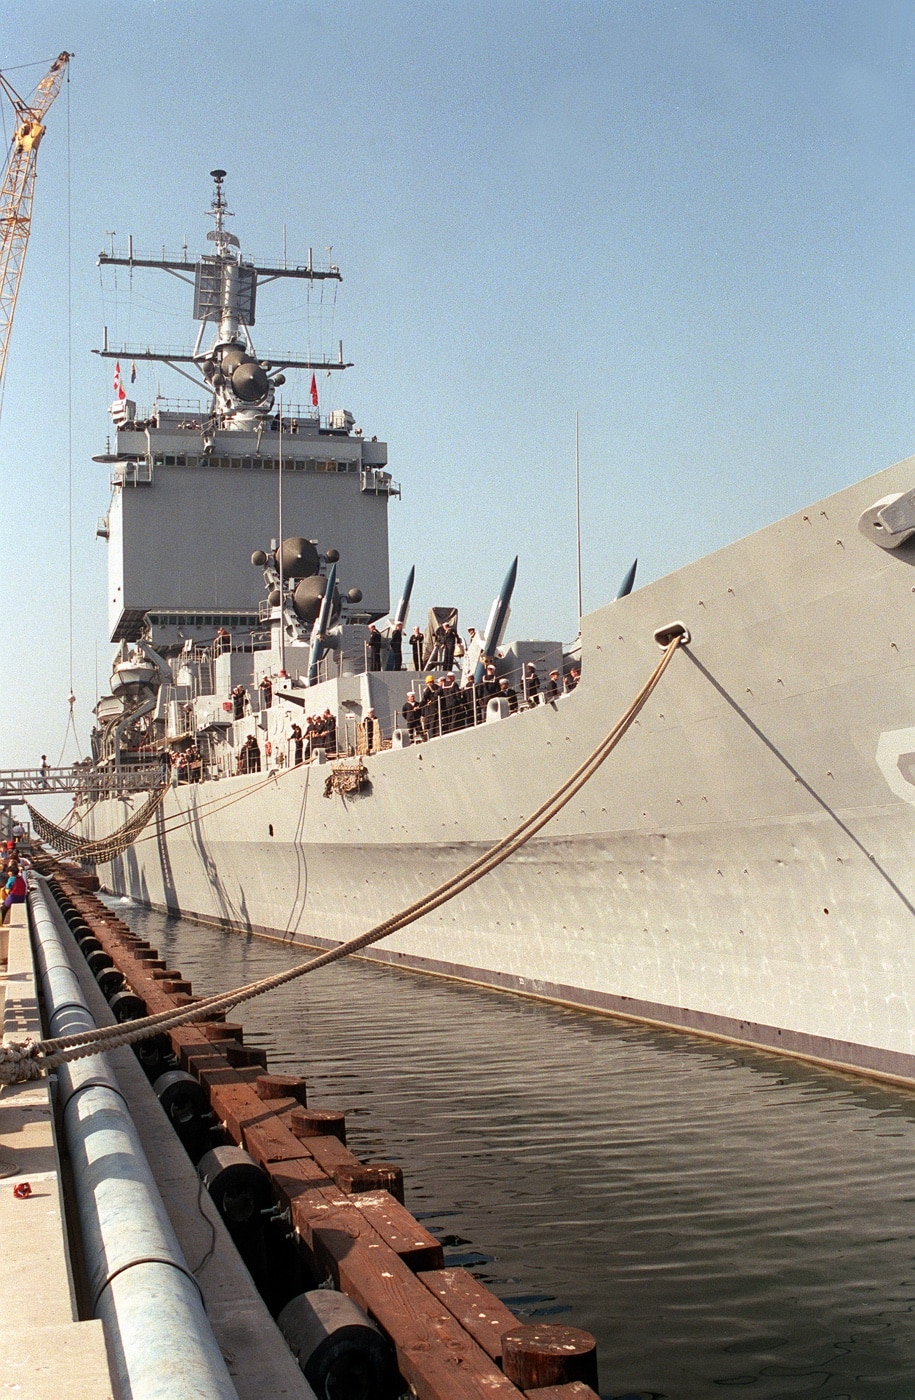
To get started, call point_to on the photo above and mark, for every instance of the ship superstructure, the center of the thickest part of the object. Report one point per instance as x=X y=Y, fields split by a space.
x=195 y=489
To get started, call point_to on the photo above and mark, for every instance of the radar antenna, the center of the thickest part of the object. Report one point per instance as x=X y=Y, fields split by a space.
x=18 y=189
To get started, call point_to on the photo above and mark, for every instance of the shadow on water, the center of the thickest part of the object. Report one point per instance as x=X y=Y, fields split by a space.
x=723 y=1220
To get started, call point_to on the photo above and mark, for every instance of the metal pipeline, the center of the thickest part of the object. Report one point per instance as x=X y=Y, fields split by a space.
x=140 y=1285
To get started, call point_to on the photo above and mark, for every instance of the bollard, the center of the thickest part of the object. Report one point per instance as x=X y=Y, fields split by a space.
x=549 y=1354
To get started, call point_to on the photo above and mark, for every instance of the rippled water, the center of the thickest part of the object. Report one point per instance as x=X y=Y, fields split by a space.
x=724 y=1222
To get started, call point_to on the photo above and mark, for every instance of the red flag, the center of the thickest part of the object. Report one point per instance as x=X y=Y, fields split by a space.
x=314 y=391
x=119 y=391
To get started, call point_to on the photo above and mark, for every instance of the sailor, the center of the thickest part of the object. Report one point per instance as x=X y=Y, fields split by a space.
x=417 y=643
x=374 y=646
x=370 y=723
x=295 y=735
x=239 y=697
x=449 y=702
x=395 y=643
x=485 y=689
x=266 y=690
x=552 y=686
x=572 y=679
x=509 y=693
x=413 y=717
x=530 y=683
x=448 y=643
x=430 y=707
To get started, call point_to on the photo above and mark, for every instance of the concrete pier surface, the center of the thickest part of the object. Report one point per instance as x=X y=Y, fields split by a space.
x=45 y=1352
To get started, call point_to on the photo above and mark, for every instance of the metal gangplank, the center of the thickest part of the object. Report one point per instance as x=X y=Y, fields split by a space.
x=21 y=784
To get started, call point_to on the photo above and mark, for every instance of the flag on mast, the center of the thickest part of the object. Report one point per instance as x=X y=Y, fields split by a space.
x=120 y=392
x=314 y=391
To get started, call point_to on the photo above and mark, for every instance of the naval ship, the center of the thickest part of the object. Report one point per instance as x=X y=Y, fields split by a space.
x=742 y=865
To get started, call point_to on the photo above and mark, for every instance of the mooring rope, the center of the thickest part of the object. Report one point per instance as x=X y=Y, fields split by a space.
x=32 y=1059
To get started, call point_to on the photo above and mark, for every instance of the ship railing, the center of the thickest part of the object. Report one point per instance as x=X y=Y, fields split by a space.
x=133 y=473
x=375 y=481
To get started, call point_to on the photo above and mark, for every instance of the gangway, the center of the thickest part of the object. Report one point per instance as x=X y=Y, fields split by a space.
x=18 y=784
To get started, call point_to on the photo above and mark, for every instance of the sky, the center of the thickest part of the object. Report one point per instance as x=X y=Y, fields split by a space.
x=687 y=222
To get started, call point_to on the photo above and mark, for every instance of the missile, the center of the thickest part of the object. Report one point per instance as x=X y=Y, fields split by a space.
x=399 y=616
x=498 y=617
x=319 y=631
x=628 y=581
x=403 y=606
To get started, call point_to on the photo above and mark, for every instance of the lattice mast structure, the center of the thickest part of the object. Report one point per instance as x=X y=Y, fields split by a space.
x=19 y=188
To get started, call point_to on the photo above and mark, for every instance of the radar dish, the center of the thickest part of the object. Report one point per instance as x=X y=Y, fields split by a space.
x=297 y=558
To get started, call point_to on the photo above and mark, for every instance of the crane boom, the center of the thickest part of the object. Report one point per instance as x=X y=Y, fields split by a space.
x=18 y=189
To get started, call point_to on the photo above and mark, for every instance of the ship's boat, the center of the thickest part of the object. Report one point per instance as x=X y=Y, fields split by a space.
x=741 y=864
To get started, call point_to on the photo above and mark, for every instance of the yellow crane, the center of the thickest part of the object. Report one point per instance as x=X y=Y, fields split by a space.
x=18 y=189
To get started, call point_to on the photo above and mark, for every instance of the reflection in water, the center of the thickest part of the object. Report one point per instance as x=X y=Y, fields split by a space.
x=724 y=1222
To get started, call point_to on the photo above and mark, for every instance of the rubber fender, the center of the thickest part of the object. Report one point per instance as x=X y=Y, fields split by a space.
x=155 y=1055
x=110 y=981
x=127 y=1006
x=98 y=959
x=183 y=1098
x=339 y=1349
x=239 y=1187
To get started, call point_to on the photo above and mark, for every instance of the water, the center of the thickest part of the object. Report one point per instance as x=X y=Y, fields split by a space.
x=724 y=1222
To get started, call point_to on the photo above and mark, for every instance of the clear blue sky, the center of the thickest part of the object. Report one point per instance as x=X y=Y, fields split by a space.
x=690 y=222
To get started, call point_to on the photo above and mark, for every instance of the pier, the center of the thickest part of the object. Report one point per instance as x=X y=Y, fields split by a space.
x=323 y=1217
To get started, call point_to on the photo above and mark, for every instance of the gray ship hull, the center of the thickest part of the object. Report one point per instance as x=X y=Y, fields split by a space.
x=741 y=865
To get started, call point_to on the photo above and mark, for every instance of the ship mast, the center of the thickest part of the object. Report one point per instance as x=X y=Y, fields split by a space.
x=225 y=290
x=228 y=323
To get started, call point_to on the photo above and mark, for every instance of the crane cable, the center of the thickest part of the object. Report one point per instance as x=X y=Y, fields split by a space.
x=32 y=1059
